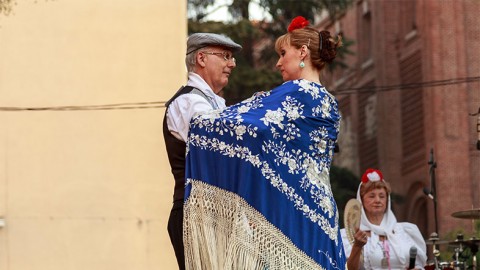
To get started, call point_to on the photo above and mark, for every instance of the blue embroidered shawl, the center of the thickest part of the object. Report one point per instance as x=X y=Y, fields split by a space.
x=258 y=192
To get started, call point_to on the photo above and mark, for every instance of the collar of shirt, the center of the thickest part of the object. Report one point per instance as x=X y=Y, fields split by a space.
x=198 y=82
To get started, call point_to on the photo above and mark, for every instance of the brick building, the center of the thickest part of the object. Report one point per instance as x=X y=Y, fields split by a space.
x=411 y=87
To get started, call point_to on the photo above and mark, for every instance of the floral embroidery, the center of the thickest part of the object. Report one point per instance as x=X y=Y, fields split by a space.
x=245 y=154
x=281 y=128
x=309 y=88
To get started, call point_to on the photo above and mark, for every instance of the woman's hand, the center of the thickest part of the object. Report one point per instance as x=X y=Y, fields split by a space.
x=361 y=238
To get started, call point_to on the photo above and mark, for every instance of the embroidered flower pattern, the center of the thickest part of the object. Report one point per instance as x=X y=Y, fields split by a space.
x=245 y=154
x=320 y=142
x=272 y=119
x=282 y=124
x=225 y=125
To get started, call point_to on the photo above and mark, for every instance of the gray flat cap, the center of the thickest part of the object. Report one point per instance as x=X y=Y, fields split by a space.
x=199 y=40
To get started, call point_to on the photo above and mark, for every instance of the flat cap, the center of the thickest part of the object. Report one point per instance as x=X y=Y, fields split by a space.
x=200 y=40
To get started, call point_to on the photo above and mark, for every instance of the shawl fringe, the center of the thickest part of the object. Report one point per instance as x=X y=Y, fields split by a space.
x=222 y=232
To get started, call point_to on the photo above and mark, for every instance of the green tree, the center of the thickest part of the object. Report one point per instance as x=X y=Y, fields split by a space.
x=344 y=186
x=6 y=6
x=250 y=76
x=255 y=69
x=470 y=247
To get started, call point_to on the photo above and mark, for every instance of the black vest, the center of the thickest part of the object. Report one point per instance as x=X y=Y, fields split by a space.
x=176 y=148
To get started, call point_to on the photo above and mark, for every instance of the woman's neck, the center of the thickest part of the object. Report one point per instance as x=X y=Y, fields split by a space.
x=375 y=219
x=310 y=74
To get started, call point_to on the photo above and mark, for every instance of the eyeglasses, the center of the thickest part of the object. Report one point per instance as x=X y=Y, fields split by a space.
x=226 y=55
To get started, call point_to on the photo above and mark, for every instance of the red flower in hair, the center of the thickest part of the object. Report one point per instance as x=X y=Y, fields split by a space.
x=372 y=175
x=298 y=22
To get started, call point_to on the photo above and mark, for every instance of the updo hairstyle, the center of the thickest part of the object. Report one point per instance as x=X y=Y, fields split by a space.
x=322 y=46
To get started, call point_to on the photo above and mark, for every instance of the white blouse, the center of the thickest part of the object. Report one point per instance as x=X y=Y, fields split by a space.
x=375 y=250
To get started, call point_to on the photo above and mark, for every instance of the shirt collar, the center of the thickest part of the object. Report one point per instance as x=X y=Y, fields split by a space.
x=198 y=82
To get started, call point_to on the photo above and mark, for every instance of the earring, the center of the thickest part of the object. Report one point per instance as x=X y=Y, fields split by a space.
x=302 y=64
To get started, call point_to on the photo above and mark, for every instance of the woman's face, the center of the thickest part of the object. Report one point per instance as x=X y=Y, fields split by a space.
x=375 y=202
x=288 y=62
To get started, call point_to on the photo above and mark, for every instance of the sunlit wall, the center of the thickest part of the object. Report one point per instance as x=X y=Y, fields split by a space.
x=88 y=186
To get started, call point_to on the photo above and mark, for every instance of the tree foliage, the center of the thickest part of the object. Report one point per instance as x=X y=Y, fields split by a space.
x=6 y=6
x=256 y=62
x=344 y=186
x=250 y=75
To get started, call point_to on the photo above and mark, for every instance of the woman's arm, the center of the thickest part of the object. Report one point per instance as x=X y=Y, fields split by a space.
x=354 y=261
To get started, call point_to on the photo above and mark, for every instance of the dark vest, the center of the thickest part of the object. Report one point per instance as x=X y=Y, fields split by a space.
x=176 y=148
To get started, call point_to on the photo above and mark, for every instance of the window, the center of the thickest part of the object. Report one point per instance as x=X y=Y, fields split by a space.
x=413 y=137
x=409 y=18
x=367 y=129
x=365 y=32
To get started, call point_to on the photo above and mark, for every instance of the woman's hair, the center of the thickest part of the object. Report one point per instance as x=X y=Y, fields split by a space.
x=323 y=48
x=371 y=185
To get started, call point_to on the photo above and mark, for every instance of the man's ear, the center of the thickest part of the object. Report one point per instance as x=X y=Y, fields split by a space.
x=201 y=59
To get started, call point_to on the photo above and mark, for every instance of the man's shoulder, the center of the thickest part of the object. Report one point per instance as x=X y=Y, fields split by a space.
x=181 y=91
x=186 y=89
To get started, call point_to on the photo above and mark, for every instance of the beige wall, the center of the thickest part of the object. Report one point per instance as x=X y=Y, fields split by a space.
x=87 y=189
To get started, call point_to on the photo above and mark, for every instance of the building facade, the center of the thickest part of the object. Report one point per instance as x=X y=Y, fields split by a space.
x=407 y=98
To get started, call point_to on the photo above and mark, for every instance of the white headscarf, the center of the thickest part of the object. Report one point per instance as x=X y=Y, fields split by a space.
x=386 y=227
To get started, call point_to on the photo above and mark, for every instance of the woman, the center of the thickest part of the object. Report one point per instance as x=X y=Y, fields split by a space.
x=383 y=242
x=265 y=201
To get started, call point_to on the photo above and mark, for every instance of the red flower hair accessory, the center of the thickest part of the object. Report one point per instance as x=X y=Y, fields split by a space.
x=298 y=22
x=372 y=175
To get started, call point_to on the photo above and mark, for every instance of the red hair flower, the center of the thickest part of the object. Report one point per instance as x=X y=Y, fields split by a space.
x=372 y=175
x=298 y=22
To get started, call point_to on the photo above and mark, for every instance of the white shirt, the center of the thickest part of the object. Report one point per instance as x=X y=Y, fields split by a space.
x=186 y=106
x=373 y=251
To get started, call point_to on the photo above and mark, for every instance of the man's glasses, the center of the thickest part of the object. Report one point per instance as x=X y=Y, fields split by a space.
x=226 y=55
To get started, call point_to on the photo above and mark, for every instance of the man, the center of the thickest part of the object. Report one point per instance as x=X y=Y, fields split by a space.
x=209 y=63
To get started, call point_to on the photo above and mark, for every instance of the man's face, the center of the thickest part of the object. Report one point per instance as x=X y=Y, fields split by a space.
x=218 y=65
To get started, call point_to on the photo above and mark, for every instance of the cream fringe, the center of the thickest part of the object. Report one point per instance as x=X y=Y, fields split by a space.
x=223 y=232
